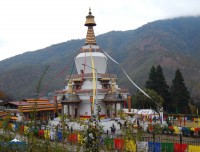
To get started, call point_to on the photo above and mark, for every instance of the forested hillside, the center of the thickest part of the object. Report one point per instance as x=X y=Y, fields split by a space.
x=172 y=43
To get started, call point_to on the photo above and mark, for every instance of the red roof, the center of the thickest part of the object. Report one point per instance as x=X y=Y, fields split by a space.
x=32 y=99
x=19 y=103
x=24 y=103
x=60 y=91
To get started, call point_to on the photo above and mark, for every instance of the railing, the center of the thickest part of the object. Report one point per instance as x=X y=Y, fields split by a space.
x=171 y=139
x=89 y=75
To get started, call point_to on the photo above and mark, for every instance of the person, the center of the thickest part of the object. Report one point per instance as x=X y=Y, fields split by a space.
x=111 y=130
x=120 y=125
x=114 y=129
x=71 y=129
x=113 y=126
x=154 y=118
x=138 y=123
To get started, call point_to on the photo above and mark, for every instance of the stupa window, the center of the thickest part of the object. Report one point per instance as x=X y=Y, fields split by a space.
x=119 y=97
x=77 y=85
x=63 y=97
x=105 y=84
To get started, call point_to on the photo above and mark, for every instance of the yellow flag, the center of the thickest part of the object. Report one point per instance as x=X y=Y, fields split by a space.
x=94 y=82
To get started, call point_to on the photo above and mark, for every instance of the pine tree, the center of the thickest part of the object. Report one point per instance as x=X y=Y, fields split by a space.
x=162 y=88
x=151 y=83
x=158 y=83
x=180 y=94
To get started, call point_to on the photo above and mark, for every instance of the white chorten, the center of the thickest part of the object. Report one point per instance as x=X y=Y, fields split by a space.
x=92 y=87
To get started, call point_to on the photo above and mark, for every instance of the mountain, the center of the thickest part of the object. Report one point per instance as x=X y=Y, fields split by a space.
x=172 y=43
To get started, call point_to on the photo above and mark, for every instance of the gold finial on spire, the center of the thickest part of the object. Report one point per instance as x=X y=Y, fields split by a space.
x=90 y=37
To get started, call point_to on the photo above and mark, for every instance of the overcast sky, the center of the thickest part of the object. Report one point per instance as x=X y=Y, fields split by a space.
x=28 y=25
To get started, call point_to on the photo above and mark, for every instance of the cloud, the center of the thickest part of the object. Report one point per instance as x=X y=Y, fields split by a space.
x=2 y=42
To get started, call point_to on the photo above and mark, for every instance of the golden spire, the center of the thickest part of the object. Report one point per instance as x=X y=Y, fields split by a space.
x=90 y=37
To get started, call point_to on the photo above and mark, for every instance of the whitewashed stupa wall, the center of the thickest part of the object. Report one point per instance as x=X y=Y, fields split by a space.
x=100 y=62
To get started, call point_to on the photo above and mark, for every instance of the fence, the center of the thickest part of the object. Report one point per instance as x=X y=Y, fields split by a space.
x=171 y=139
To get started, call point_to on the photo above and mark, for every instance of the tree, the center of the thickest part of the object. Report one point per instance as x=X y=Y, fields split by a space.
x=151 y=83
x=194 y=104
x=4 y=97
x=162 y=87
x=140 y=101
x=158 y=83
x=179 y=93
